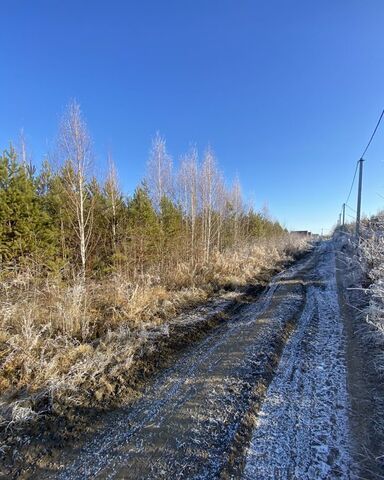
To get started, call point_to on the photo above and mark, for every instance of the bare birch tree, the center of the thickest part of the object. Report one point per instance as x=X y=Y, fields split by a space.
x=221 y=203
x=188 y=191
x=237 y=208
x=159 y=171
x=24 y=155
x=23 y=149
x=208 y=189
x=113 y=198
x=76 y=151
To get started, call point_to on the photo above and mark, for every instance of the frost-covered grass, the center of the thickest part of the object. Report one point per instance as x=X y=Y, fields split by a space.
x=364 y=276
x=372 y=255
x=75 y=344
x=366 y=265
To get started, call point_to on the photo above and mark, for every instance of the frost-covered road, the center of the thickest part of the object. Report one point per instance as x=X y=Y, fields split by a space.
x=302 y=428
x=193 y=421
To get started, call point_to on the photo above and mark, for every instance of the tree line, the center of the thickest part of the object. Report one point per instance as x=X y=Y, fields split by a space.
x=63 y=219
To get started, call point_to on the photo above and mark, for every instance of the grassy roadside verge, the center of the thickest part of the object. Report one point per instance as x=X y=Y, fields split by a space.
x=360 y=276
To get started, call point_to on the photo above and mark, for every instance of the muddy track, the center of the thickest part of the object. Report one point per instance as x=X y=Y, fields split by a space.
x=194 y=419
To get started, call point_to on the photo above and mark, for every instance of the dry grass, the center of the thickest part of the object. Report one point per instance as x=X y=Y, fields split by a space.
x=77 y=344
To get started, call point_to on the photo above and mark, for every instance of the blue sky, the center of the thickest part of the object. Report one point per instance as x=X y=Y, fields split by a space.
x=286 y=92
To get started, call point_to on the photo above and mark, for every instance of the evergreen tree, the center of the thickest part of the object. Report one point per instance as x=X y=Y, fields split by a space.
x=99 y=252
x=26 y=228
x=171 y=220
x=143 y=231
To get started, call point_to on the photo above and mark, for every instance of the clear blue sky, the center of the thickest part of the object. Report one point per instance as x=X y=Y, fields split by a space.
x=286 y=92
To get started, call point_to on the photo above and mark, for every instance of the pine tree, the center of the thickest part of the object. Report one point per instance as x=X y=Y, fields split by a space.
x=171 y=220
x=143 y=231
x=26 y=228
x=99 y=251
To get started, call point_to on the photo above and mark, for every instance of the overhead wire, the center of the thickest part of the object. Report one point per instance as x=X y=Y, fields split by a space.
x=361 y=158
x=357 y=164
x=373 y=134
x=353 y=210
x=353 y=182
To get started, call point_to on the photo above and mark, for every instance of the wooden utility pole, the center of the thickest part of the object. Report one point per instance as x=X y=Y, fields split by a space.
x=358 y=213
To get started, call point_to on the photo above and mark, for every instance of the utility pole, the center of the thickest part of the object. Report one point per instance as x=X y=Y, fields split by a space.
x=339 y=221
x=343 y=215
x=358 y=213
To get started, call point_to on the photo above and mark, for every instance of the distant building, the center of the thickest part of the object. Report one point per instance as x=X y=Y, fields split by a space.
x=302 y=233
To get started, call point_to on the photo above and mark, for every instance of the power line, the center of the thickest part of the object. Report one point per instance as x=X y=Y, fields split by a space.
x=360 y=188
x=353 y=210
x=353 y=182
x=360 y=163
x=365 y=151
x=373 y=134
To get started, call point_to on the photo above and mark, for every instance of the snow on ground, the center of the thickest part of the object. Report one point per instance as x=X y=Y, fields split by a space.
x=302 y=429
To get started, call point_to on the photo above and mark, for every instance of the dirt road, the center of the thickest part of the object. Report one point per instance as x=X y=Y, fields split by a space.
x=263 y=397
x=302 y=429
